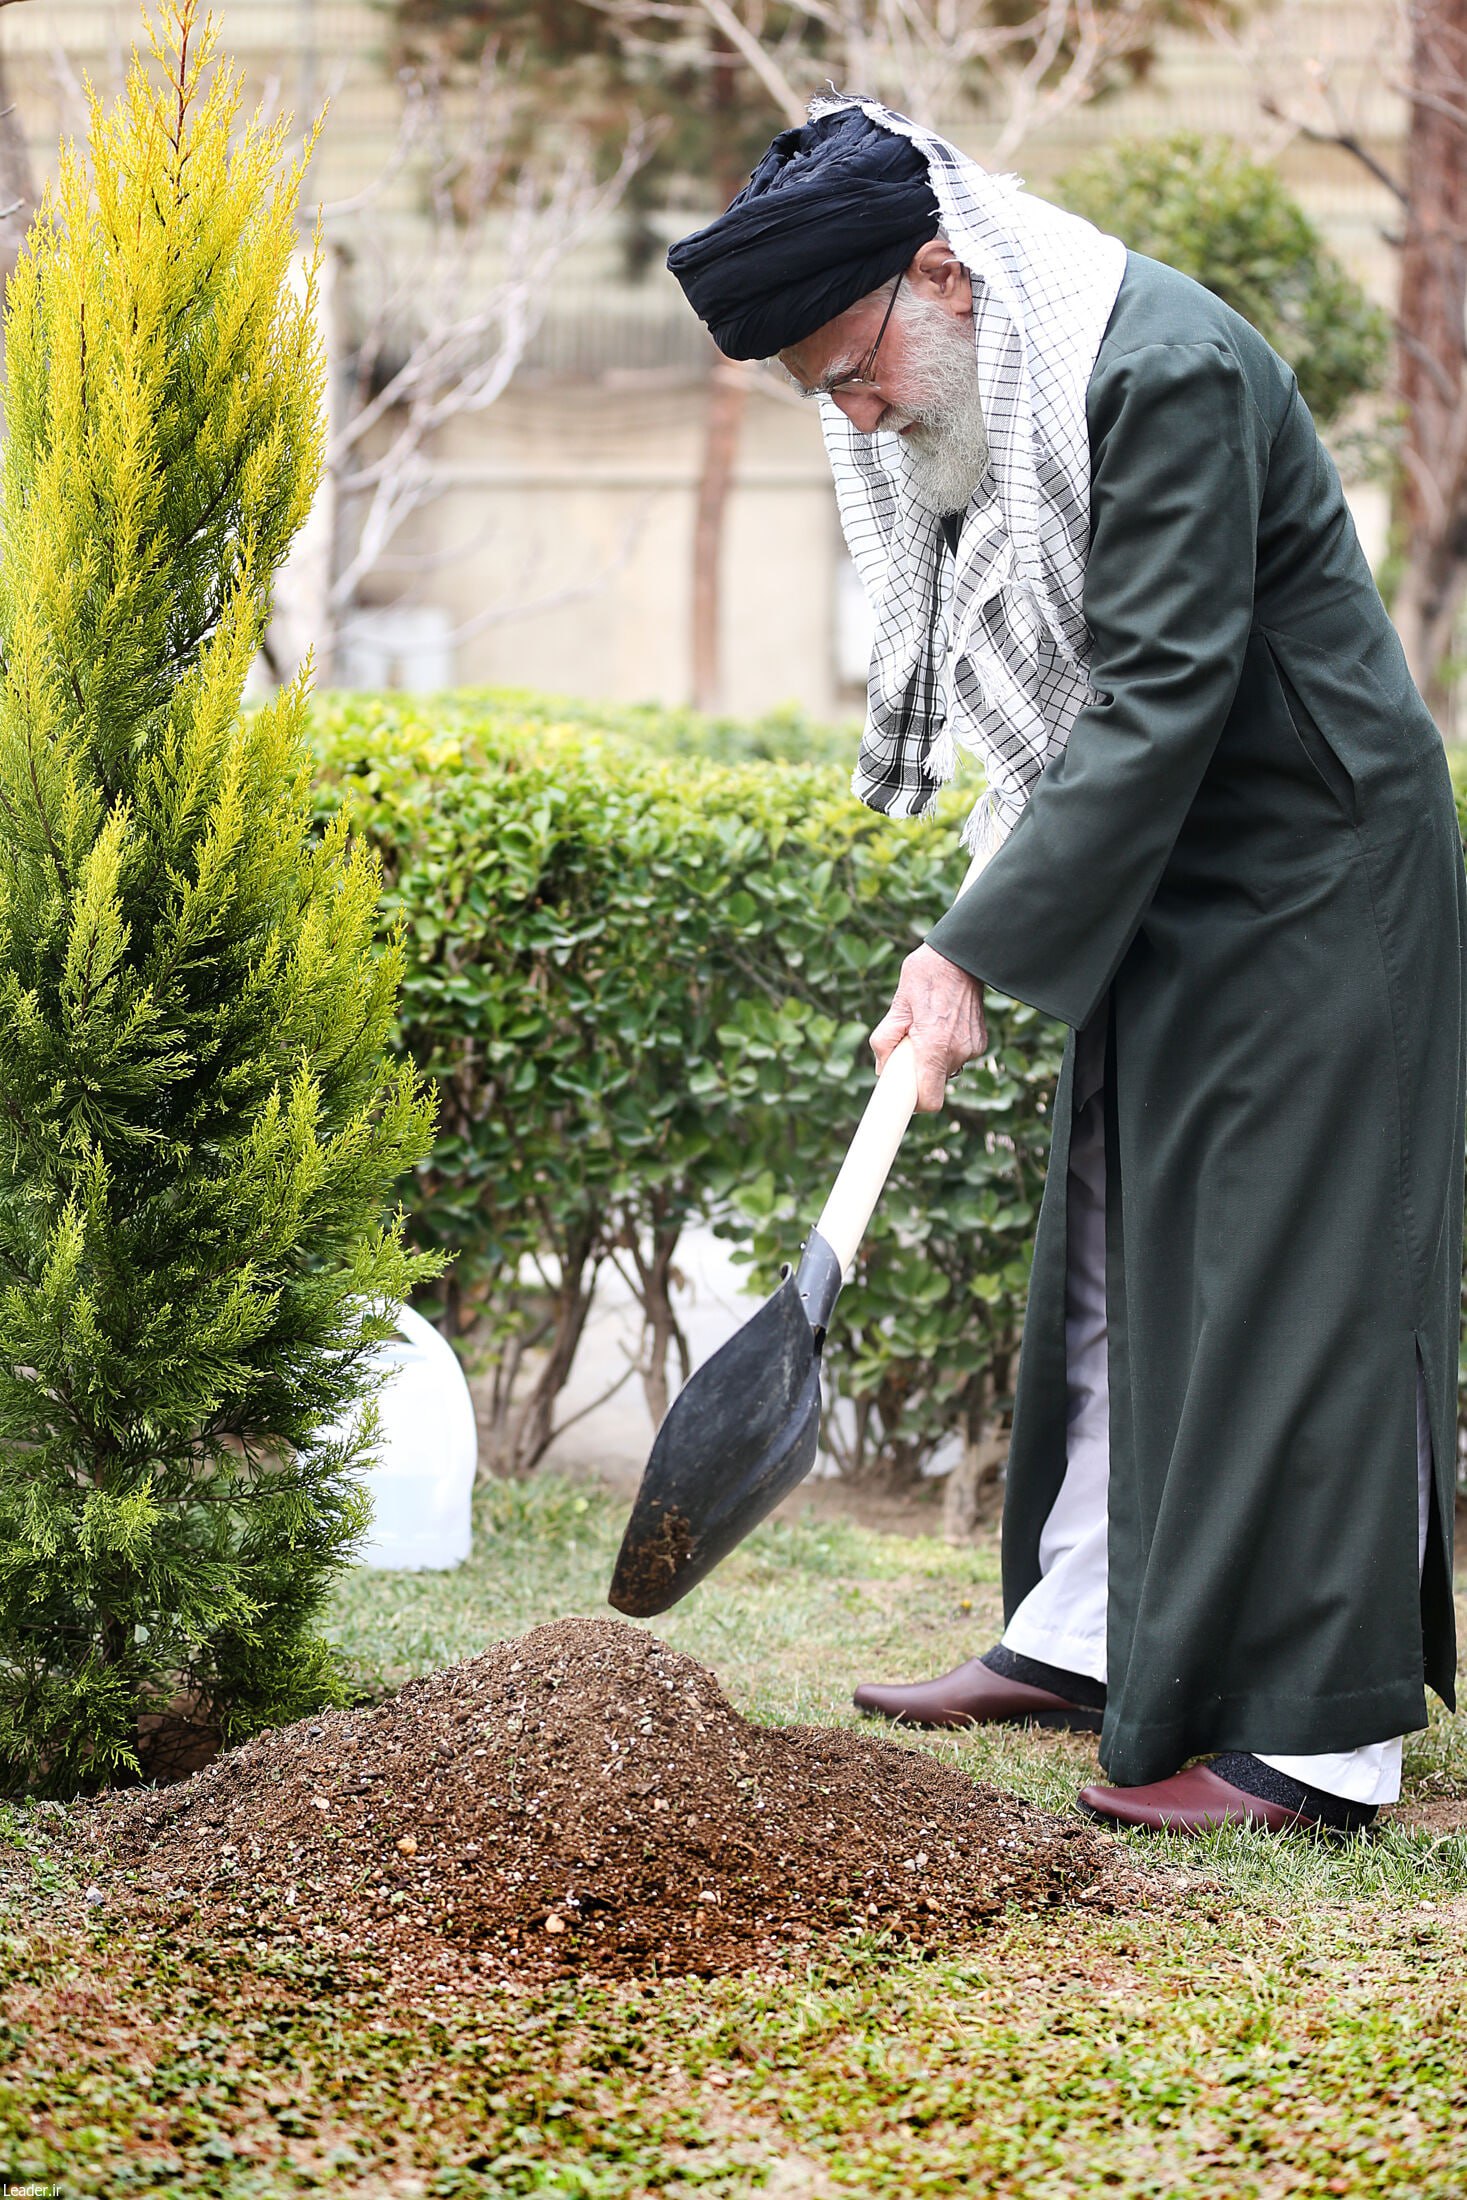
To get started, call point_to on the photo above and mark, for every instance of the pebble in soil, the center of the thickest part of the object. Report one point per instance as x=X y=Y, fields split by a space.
x=583 y=1799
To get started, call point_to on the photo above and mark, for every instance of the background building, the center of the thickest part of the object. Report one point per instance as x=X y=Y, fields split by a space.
x=548 y=536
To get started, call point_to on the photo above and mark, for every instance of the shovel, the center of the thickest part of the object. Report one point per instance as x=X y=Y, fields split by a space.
x=742 y=1432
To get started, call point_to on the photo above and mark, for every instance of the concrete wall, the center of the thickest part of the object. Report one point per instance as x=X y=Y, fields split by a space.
x=567 y=510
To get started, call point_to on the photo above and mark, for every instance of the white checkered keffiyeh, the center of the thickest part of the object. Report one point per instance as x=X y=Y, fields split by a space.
x=990 y=652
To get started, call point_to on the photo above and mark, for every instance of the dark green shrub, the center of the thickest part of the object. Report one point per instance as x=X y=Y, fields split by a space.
x=1206 y=209
x=644 y=989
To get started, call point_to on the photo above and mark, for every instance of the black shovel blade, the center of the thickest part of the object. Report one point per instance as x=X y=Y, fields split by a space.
x=740 y=1436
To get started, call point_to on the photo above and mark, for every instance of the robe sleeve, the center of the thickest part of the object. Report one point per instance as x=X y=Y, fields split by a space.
x=1179 y=455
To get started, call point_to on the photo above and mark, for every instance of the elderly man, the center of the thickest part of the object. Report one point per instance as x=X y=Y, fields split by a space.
x=1108 y=554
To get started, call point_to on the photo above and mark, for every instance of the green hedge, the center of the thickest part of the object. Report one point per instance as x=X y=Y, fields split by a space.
x=783 y=736
x=643 y=984
x=643 y=980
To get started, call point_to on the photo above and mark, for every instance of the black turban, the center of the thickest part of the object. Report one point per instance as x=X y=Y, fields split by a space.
x=832 y=211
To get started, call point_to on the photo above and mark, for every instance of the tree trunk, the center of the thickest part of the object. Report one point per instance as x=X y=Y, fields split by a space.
x=971 y=1493
x=533 y=1369
x=1432 y=496
x=725 y=418
x=535 y=1429
x=533 y=1365
x=722 y=425
x=662 y=1333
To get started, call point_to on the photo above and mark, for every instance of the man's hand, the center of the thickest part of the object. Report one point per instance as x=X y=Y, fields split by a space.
x=941 y=1008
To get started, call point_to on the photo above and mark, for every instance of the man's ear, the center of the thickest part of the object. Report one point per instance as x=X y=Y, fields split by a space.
x=936 y=272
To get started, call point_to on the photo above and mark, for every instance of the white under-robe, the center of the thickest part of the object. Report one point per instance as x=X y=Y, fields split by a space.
x=1062 y=1621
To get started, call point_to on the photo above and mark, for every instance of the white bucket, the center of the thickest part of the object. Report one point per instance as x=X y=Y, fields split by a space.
x=422 y=1483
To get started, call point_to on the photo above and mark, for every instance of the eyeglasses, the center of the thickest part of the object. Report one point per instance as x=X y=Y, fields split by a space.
x=860 y=377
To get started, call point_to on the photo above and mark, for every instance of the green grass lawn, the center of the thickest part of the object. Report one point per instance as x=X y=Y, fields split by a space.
x=1291 y=2025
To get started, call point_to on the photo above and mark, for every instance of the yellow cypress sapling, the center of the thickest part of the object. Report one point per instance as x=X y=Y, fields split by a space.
x=199 y=1129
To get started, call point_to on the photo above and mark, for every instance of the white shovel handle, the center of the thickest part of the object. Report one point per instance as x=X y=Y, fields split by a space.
x=872 y=1151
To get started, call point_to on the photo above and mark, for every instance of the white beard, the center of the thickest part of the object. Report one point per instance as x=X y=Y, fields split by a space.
x=945 y=464
x=946 y=447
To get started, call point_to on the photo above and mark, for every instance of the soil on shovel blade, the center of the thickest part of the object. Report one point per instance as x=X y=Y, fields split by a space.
x=583 y=1800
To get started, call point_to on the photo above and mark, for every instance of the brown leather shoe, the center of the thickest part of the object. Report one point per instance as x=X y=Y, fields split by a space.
x=971 y=1695
x=1193 y=1801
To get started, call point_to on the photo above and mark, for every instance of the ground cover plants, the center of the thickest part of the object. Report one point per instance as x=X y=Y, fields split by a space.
x=1281 y=2018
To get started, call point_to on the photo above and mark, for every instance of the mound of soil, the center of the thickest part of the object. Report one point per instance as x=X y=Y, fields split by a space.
x=582 y=1799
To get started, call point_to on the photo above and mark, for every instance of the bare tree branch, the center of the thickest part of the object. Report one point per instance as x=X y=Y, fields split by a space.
x=575 y=591
x=743 y=41
x=460 y=360
x=1032 y=66
x=1343 y=140
x=412 y=130
x=441 y=322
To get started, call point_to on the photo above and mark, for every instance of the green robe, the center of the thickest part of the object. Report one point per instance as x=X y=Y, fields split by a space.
x=1247 y=858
